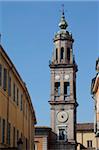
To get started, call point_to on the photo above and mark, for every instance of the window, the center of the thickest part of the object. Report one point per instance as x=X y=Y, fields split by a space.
x=57 y=88
x=21 y=103
x=62 y=53
x=0 y=75
x=17 y=96
x=56 y=54
x=9 y=86
x=17 y=135
x=27 y=144
x=68 y=54
x=5 y=79
x=26 y=110
x=35 y=146
x=66 y=88
x=13 y=136
x=0 y=126
x=14 y=91
x=61 y=134
x=89 y=143
x=8 y=133
x=3 y=131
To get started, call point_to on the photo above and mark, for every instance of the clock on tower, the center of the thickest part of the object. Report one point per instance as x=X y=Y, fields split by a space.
x=63 y=86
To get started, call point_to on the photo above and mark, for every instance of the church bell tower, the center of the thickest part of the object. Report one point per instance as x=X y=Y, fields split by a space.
x=63 y=86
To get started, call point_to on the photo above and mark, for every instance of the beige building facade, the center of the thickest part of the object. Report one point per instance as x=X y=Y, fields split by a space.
x=86 y=138
x=17 y=115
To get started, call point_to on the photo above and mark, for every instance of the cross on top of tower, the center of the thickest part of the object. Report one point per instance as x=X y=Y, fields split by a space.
x=63 y=24
x=63 y=9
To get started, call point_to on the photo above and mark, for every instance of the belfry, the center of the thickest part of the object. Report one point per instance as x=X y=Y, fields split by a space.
x=63 y=102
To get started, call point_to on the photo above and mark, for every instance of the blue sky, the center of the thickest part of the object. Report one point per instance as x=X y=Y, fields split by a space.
x=28 y=29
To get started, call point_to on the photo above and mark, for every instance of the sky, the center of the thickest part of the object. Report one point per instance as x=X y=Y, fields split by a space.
x=27 y=30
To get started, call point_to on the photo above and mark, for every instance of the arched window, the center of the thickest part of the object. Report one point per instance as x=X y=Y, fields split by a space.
x=66 y=88
x=57 y=88
x=68 y=54
x=62 y=53
x=56 y=54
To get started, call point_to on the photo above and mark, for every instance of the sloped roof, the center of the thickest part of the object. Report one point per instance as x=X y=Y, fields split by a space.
x=85 y=127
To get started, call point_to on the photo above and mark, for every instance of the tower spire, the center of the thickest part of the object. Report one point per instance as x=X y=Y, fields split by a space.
x=63 y=24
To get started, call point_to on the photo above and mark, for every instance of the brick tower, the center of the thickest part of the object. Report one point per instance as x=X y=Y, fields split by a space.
x=63 y=88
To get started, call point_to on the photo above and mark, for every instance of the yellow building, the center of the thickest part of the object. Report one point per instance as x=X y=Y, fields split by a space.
x=17 y=116
x=95 y=93
x=86 y=138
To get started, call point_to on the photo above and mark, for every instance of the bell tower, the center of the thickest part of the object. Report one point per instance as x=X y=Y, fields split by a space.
x=63 y=85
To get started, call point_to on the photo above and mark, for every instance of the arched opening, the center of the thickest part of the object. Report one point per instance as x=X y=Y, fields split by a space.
x=68 y=55
x=66 y=88
x=56 y=54
x=62 y=53
x=57 y=88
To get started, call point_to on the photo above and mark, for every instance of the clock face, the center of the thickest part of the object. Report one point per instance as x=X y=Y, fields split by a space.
x=62 y=116
x=57 y=77
x=66 y=77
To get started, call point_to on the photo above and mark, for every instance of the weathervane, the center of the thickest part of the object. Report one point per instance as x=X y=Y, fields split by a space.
x=0 y=38
x=62 y=9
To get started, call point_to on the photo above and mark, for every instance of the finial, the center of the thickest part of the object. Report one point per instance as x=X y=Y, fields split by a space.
x=97 y=65
x=63 y=24
x=0 y=38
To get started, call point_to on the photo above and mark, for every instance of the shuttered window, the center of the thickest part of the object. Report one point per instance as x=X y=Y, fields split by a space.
x=9 y=86
x=21 y=103
x=13 y=136
x=14 y=91
x=8 y=133
x=5 y=79
x=3 y=131
x=17 y=96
